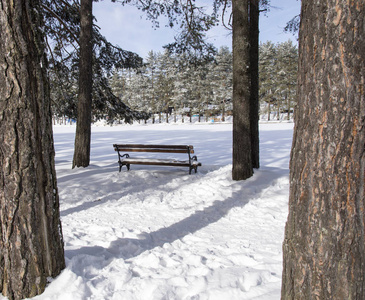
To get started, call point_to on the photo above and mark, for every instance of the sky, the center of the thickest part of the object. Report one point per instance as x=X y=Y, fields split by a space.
x=127 y=27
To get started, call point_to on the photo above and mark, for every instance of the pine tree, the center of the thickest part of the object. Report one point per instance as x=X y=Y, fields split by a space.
x=267 y=75
x=242 y=159
x=151 y=66
x=324 y=245
x=83 y=126
x=254 y=13
x=62 y=27
x=222 y=79
x=117 y=83
x=287 y=75
x=31 y=245
x=182 y=83
x=278 y=72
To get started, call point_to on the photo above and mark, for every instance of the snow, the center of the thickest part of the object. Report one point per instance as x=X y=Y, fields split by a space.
x=159 y=233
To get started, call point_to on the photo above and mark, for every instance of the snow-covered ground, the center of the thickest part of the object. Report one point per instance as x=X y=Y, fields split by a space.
x=160 y=233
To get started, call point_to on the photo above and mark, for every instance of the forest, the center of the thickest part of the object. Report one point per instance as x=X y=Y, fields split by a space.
x=167 y=85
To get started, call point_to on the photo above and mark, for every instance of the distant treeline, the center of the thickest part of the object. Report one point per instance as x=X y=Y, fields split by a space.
x=171 y=84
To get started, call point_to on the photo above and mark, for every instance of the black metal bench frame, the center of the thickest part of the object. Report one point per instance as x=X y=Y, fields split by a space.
x=124 y=158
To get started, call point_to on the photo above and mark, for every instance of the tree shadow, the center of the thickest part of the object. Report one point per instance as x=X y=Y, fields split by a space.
x=127 y=248
x=158 y=179
x=82 y=174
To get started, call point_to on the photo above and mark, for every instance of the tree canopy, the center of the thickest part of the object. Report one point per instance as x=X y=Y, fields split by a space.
x=62 y=28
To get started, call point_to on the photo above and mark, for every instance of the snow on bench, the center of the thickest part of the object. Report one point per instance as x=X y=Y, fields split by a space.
x=125 y=159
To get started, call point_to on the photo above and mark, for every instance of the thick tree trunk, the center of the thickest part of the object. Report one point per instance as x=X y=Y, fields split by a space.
x=83 y=126
x=324 y=248
x=254 y=70
x=242 y=163
x=31 y=246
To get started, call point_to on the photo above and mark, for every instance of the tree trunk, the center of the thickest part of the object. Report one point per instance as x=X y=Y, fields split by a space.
x=324 y=248
x=242 y=163
x=31 y=245
x=254 y=72
x=83 y=126
x=288 y=105
x=223 y=112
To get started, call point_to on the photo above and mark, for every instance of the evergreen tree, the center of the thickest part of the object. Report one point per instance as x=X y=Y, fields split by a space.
x=267 y=75
x=151 y=66
x=324 y=236
x=221 y=79
x=164 y=86
x=117 y=83
x=31 y=245
x=287 y=75
x=83 y=126
x=242 y=159
x=278 y=71
x=254 y=14
x=62 y=28
x=246 y=38
x=182 y=84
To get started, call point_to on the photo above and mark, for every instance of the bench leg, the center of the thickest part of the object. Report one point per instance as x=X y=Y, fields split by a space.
x=121 y=165
x=193 y=167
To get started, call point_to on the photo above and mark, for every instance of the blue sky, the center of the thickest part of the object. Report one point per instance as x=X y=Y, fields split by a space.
x=128 y=28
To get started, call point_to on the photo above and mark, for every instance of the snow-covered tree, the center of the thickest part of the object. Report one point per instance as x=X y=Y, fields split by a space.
x=278 y=71
x=287 y=76
x=221 y=79
x=267 y=75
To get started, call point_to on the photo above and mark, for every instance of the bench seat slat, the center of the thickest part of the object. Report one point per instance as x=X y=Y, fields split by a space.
x=152 y=146
x=155 y=148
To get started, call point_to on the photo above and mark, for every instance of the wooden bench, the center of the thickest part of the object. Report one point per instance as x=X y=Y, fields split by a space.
x=124 y=158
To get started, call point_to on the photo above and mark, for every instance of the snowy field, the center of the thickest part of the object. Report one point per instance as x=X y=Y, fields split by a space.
x=159 y=233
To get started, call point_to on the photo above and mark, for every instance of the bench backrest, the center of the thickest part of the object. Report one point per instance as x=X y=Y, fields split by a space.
x=154 y=148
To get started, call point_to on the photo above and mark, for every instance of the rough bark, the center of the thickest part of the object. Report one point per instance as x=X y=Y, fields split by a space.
x=324 y=249
x=254 y=92
x=31 y=246
x=83 y=126
x=242 y=163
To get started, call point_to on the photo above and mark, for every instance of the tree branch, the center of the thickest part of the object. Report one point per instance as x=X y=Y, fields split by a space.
x=63 y=23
